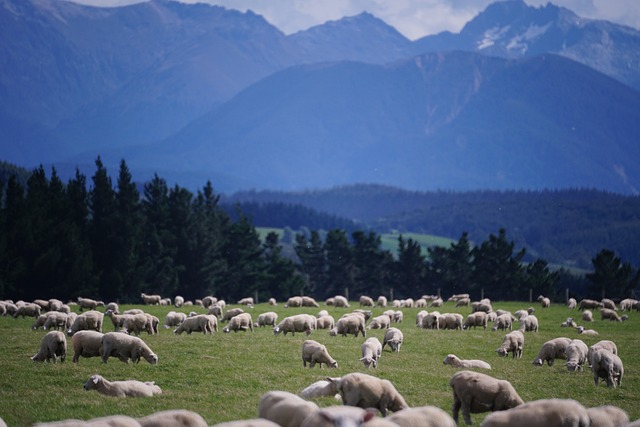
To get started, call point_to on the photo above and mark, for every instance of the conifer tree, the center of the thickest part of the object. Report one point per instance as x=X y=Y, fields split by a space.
x=313 y=264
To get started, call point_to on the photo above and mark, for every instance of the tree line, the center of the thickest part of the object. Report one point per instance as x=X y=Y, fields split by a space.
x=112 y=241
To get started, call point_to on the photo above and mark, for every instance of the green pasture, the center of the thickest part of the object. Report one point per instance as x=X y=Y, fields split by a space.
x=222 y=376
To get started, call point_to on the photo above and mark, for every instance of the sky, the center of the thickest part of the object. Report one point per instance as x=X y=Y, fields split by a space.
x=413 y=18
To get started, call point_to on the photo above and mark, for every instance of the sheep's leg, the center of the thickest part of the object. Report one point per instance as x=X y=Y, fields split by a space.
x=455 y=408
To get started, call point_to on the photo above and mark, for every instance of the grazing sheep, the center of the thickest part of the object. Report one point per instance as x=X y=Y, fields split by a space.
x=371 y=352
x=544 y=301
x=552 y=350
x=248 y=301
x=88 y=303
x=572 y=303
x=512 y=342
x=503 y=322
x=350 y=324
x=126 y=347
x=322 y=388
x=173 y=418
x=587 y=316
x=174 y=319
x=463 y=302
x=393 y=337
x=296 y=323
x=475 y=392
x=603 y=344
x=28 y=309
x=609 y=314
x=479 y=318
x=608 y=304
x=215 y=310
x=379 y=322
x=150 y=299
x=457 y=297
x=178 y=301
x=284 y=408
x=529 y=324
x=134 y=324
x=133 y=311
x=270 y=318
x=607 y=366
x=422 y=416
x=398 y=316
x=294 y=302
x=241 y=322
x=456 y=362
x=91 y=320
x=430 y=321
x=590 y=304
x=309 y=302
x=421 y=314
x=481 y=306
x=325 y=322
x=272 y=302
x=607 y=416
x=231 y=314
x=52 y=346
x=117 y=319
x=366 y=301
x=55 y=319
x=366 y=391
x=86 y=344
x=576 y=354
x=541 y=413
x=420 y=303
x=569 y=323
x=129 y=388
x=436 y=303
x=627 y=304
x=450 y=321
x=340 y=301
x=204 y=323
x=589 y=332
x=313 y=352
x=382 y=301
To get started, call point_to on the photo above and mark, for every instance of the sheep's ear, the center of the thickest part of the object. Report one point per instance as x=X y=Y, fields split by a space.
x=94 y=379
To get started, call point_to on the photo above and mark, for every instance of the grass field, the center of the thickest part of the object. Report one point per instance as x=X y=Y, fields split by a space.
x=223 y=376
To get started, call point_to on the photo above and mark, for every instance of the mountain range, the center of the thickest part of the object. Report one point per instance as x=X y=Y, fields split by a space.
x=522 y=98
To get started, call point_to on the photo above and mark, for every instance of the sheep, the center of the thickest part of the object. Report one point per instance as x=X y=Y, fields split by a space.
x=248 y=301
x=479 y=318
x=382 y=301
x=109 y=421
x=88 y=303
x=529 y=324
x=450 y=321
x=393 y=337
x=29 y=310
x=117 y=319
x=325 y=322
x=423 y=416
x=231 y=313
x=252 y=422
x=544 y=301
x=241 y=322
x=603 y=344
x=340 y=301
x=313 y=352
x=294 y=302
x=589 y=332
x=607 y=416
x=502 y=322
x=419 y=318
x=165 y=301
x=590 y=304
x=569 y=323
x=126 y=347
x=350 y=324
x=587 y=316
x=436 y=302
x=420 y=303
x=456 y=362
x=366 y=301
x=215 y=310
x=86 y=344
x=512 y=342
x=481 y=306
x=44 y=304
x=150 y=299
x=607 y=366
x=129 y=388
x=371 y=352
x=457 y=297
x=398 y=316
x=463 y=302
x=133 y=311
x=609 y=314
x=204 y=323
x=55 y=319
x=52 y=346
x=272 y=302
x=541 y=413
x=552 y=350
x=137 y=323
x=576 y=354
x=174 y=319
x=296 y=323
x=430 y=321
x=322 y=388
x=379 y=322
x=270 y=318
x=572 y=303
x=609 y=304
x=91 y=320
x=627 y=304
x=178 y=301
x=366 y=391
x=346 y=416
x=475 y=392
x=284 y=408
x=309 y=302
x=173 y=418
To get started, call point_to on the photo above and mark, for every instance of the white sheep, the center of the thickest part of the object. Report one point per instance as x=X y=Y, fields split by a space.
x=379 y=322
x=576 y=354
x=346 y=416
x=150 y=299
x=419 y=318
x=272 y=302
x=173 y=418
x=91 y=320
x=371 y=352
x=366 y=391
x=607 y=416
x=309 y=302
x=436 y=302
x=608 y=304
x=590 y=304
x=479 y=318
x=588 y=332
x=482 y=305
x=113 y=306
x=382 y=301
x=627 y=304
x=587 y=316
x=109 y=421
x=52 y=346
x=27 y=309
x=88 y=303
x=322 y=388
x=325 y=322
x=294 y=302
x=544 y=301
x=138 y=323
x=503 y=322
x=231 y=313
x=296 y=323
x=552 y=350
x=475 y=392
x=529 y=324
x=174 y=319
x=420 y=303
x=569 y=323
x=456 y=362
x=205 y=323
x=607 y=366
x=126 y=347
x=270 y=318
x=541 y=413
x=252 y=422
x=394 y=337
x=86 y=344
x=423 y=416
x=430 y=321
x=241 y=322
x=284 y=408
x=340 y=301
x=313 y=352
x=463 y=302
x=450 y=321
x=603 y=344
x=609 y=314
x=513 y=343
x=572 y=303
x=178 y=301
x=128 y=388
x=352 y=323
x=248 y=301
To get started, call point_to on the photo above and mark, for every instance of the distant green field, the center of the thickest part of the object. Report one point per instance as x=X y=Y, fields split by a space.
x=223 y=376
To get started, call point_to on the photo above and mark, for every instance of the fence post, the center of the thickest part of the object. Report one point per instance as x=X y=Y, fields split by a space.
x=256 y=298
x=482 y=293
x=346 y=293
x=390 y=294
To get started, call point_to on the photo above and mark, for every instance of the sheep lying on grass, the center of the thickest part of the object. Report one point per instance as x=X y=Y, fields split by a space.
x=322 y=388
x=313 y=352
x=129 y=388
x=569 y=323
x=126 y=347
x=53 y=345
x=474 y=392
x=86 y=344
x=456 y=362
x=284 y=408
x=541 y=413
x=589 y=332
x=366 y=391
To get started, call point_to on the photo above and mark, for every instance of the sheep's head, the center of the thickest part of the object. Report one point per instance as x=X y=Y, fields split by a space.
x=276 y=330
x=92 y=382
x=502 y=352
x=538 y=362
